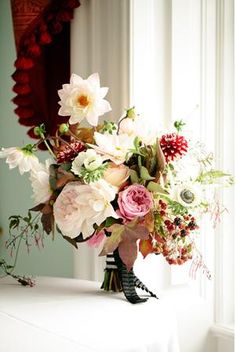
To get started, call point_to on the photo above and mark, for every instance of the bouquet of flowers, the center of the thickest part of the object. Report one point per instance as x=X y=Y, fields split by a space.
x=119 y=185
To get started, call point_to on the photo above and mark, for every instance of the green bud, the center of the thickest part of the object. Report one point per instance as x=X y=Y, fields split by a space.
x=179 y=125
x=131 y=114
x=29 y=148
x=39 y=130
x=109 y=127
x=63 y=128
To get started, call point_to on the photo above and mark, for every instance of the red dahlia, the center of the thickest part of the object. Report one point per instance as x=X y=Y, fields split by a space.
x=173 y=146
x=68 y=152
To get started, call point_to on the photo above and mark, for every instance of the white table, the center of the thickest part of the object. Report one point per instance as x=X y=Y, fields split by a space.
x=69 y=315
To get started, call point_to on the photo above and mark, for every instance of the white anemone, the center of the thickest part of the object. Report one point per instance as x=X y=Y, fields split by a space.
x=89 y=159
x=187 y=194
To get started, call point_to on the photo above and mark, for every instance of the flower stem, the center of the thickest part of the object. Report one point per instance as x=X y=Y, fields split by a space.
x=49 y=149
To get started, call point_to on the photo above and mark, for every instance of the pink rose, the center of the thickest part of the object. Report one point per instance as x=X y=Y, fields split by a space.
x=134 y=201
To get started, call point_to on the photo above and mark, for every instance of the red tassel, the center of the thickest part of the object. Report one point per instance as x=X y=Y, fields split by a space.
x=31 y=121
x=34 y=50
x=20 y=77
x=21 y=100
x=30 y=40
x=45 y=38
x=24 y=63
x=72 y=4
x=56 y=27
x=21 y=89
x=65 y=16
x=24 y=113
x=42 y=27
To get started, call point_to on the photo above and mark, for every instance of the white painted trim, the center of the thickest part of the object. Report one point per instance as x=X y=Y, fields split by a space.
x=224 y=138
x=207 y=121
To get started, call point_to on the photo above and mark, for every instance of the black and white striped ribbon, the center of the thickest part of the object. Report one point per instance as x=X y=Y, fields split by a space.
x=110 y=262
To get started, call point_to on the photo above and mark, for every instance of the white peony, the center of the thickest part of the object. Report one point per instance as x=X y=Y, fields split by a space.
x=79 y=207
x=21 y=157
x=83 y=99
x=113 y=147
x=89 y=159
x=39 y=178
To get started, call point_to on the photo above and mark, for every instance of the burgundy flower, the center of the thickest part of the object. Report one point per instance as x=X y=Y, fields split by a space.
x=173 y=146
x=68 y=153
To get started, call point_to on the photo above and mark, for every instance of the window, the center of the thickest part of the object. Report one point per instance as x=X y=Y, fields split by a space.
x=172 y=59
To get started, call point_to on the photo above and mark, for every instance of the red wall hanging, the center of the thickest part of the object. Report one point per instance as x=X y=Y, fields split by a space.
x=42 y=37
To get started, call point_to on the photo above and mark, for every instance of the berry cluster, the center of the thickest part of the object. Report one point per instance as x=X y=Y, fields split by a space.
x=176 y=244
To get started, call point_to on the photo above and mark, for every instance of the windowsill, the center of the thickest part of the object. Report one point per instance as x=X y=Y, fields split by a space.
x=223 y=331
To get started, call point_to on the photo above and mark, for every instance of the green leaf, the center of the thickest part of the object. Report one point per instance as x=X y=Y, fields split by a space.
x=14 y=223
x=93 y=176
x=144 y=174
x=113 y=241
x=71 y=241
x=9 y=267
x=155 y=187
x=211 y=176
x=137 y=143
x=110 y=221
x=38 y=207
x=65 y=166
x=134 y=176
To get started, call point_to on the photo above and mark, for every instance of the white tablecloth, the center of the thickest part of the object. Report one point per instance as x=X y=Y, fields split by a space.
x=69 y=315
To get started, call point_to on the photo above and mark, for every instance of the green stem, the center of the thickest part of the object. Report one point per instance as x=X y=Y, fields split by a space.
x=47 y=145
x=118 y=125
x=16 y=257
x=23 y=231
x=73 y=135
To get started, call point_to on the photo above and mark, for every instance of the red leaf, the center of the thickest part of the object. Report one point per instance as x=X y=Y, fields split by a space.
x=47 y=222
x=128 y=247
x=145 y=247
x=128 y=253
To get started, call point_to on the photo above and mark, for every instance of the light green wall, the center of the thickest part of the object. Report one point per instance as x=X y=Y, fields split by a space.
x=56 y=259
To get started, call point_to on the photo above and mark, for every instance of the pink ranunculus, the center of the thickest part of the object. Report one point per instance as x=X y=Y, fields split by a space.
x=134 y=201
